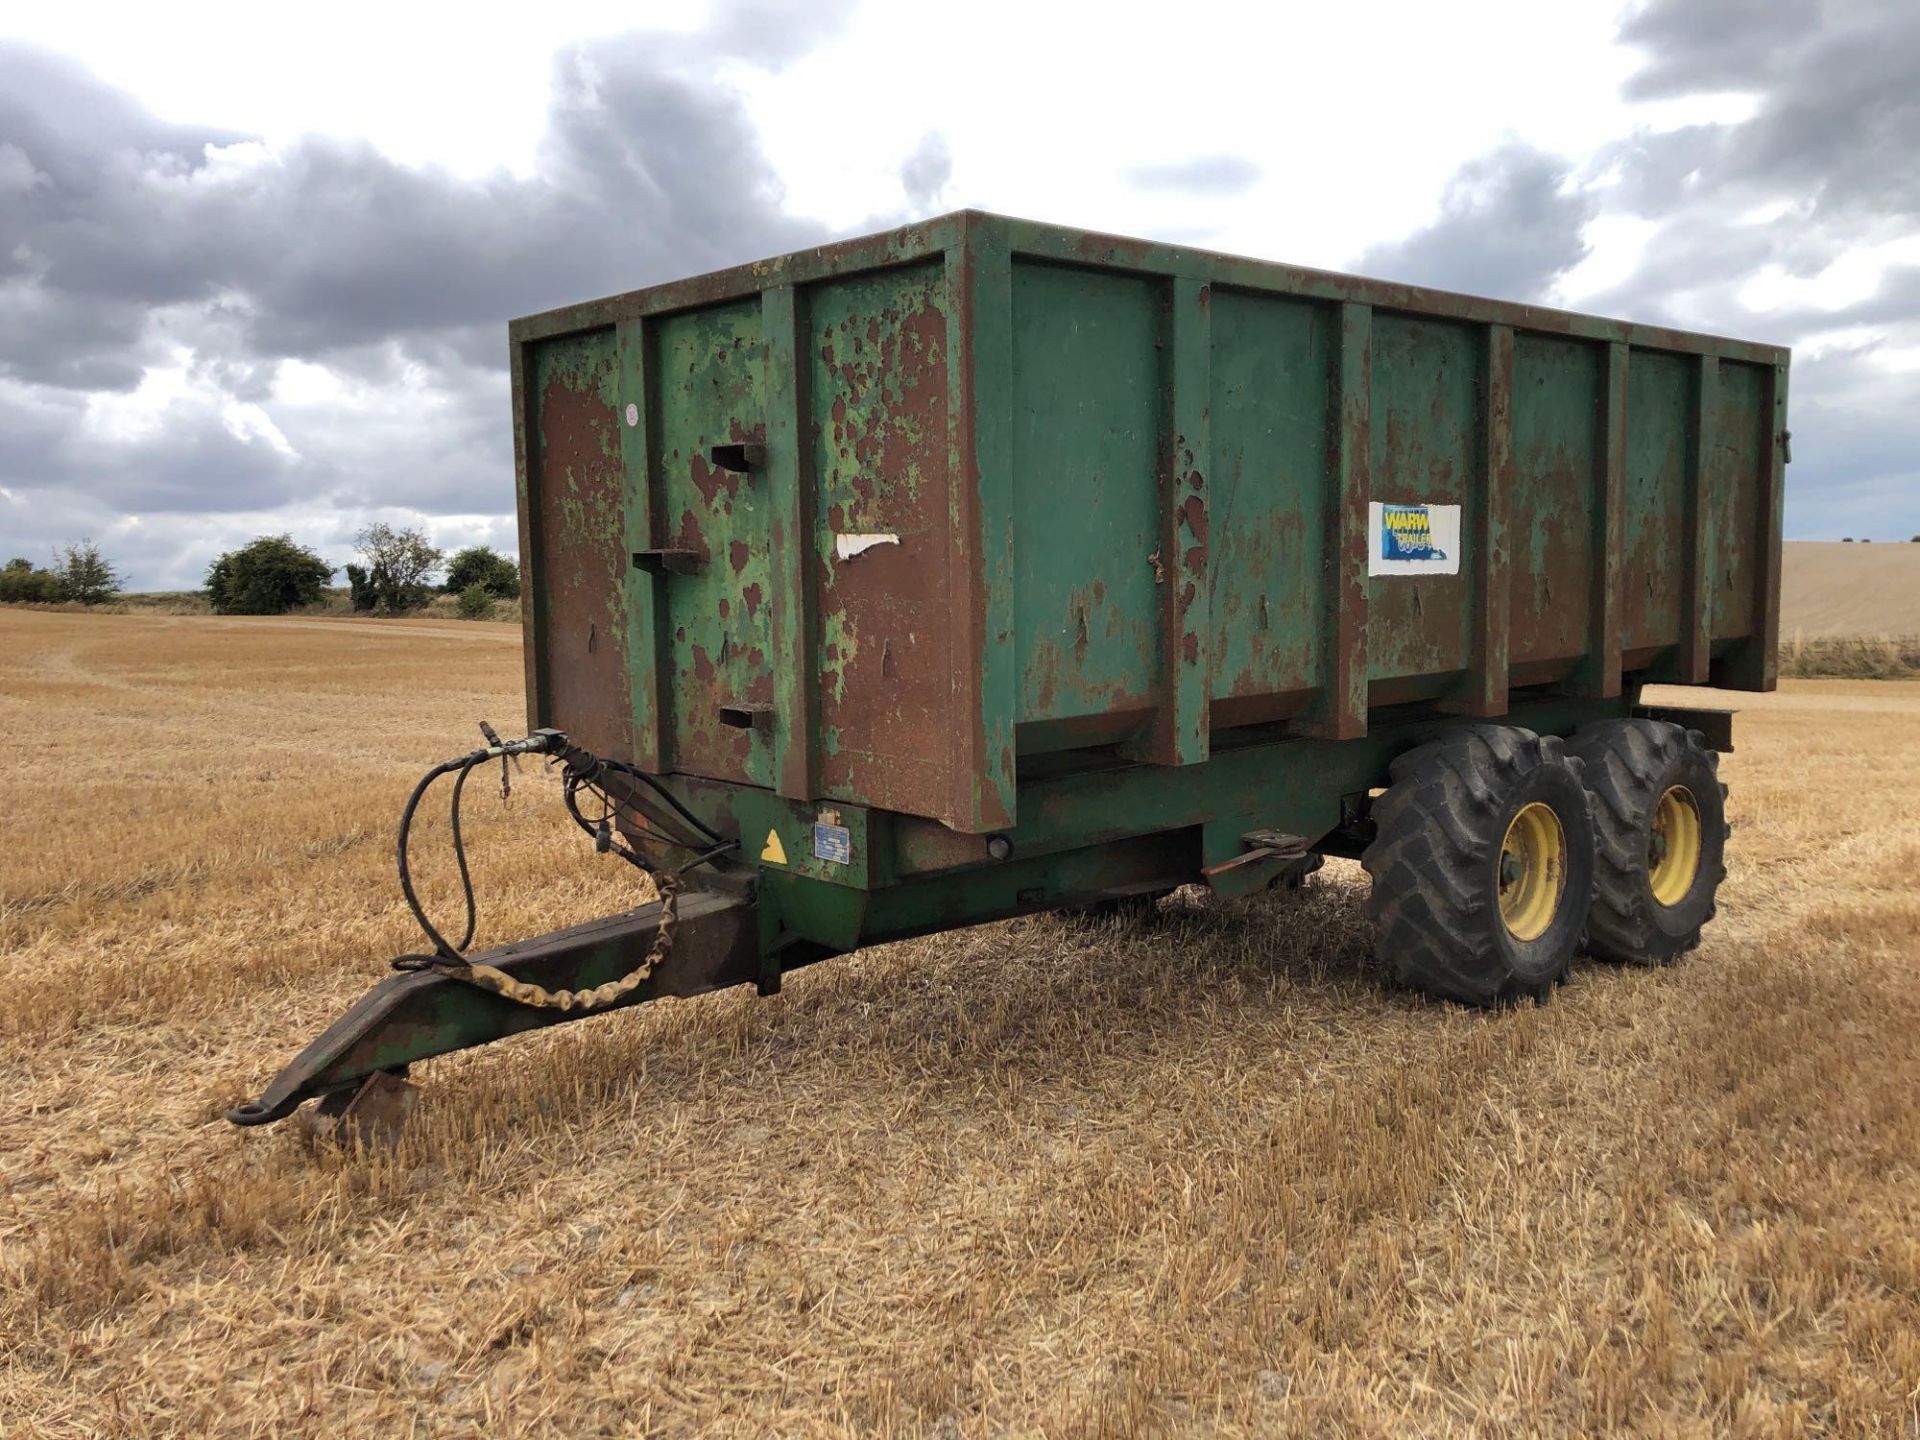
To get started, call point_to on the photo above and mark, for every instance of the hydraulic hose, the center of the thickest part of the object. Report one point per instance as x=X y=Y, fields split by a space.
x=464 y=765
x=583 y=771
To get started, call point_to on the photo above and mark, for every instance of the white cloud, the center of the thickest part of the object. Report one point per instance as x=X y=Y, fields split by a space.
x=163 y=393
x=1660 y=117
x=305 y=382
x=249 y=422
x=1849 y=279
x=1616 y=247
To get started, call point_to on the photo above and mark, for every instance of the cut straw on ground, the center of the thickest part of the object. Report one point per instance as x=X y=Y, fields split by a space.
x=1201 y=1174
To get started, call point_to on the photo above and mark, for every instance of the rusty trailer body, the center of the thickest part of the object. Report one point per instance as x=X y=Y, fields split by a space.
x=987 y=566
x=1117 y=502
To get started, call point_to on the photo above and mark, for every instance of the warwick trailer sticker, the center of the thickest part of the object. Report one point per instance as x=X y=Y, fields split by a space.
x=1413 y=539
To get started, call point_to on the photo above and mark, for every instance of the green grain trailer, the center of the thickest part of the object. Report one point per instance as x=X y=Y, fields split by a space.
x=985 y=567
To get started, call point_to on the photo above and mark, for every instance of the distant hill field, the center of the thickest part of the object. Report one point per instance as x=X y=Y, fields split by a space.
x=1838 y=589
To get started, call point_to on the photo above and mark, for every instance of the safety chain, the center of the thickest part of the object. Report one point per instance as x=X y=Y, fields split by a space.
x=489 y=977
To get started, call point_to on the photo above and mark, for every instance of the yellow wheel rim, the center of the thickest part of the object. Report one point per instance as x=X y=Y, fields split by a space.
x=1673 y=845
x=1533 y=871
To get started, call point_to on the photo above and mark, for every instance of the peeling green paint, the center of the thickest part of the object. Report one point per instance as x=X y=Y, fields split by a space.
x=718 y=642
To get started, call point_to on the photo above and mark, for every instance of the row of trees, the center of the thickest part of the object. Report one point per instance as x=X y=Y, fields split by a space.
x=79 y=572
x=274 y=574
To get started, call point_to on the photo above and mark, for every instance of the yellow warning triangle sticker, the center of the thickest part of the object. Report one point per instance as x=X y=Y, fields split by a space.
x=773 y=850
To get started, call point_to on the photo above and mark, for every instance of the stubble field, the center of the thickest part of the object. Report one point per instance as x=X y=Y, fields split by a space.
x=1831 y=590
x=1204 y=1174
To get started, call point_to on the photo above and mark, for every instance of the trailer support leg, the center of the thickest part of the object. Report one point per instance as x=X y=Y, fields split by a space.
x=371 y=1115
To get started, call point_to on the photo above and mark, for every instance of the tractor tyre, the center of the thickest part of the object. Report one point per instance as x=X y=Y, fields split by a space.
x=1482 y=865
x=1659 y=812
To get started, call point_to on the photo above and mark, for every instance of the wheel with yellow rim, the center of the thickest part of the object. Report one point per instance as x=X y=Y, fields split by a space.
x=1533 y=870
x=1659 y=814
x=1482 y=865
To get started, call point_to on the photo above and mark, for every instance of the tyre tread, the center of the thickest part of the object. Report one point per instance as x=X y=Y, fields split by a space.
x=1436 y=827
x=1626 y=762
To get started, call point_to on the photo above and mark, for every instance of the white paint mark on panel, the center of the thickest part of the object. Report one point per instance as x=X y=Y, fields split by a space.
x=845 y=547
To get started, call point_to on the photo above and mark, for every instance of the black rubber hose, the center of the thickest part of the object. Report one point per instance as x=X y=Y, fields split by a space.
x=665 y=794
x=715 y=853
x=460 y=854
x=464 y=765
x=569 y=796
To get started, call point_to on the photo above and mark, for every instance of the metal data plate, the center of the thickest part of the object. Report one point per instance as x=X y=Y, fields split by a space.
x=833 y=843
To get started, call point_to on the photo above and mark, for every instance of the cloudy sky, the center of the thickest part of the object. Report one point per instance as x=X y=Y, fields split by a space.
x=255 y=270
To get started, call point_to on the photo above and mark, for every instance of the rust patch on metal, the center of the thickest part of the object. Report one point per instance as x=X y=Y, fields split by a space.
x=711 y=480
x=581 y=494
x=1194 y=515
x=886 y=627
